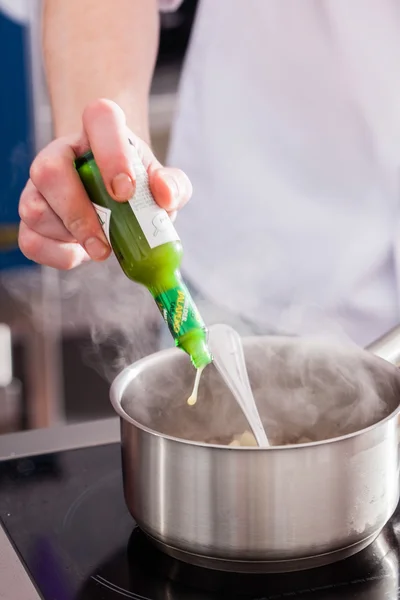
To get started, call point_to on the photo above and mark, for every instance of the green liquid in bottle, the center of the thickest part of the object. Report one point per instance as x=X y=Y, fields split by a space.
x=149 y=251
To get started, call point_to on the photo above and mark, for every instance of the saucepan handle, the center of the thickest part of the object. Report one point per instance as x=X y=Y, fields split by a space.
x=388 y=346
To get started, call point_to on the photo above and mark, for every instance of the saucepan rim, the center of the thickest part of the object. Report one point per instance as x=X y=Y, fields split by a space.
x=128 y=374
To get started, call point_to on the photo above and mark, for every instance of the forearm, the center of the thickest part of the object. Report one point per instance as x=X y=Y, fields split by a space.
x=99 y=49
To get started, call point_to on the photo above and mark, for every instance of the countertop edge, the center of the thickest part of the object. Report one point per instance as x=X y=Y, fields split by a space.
x=59 y=438
x=15 y=583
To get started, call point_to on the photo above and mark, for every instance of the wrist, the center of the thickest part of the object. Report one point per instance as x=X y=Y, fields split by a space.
x=68 y=121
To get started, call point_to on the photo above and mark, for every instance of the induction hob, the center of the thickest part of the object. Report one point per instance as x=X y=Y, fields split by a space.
x=66 y=517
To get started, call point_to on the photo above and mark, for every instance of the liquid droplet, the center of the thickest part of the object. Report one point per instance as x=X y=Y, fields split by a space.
x=193 y=396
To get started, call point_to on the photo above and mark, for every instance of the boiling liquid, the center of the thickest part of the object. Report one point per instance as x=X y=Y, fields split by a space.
x=244 y=439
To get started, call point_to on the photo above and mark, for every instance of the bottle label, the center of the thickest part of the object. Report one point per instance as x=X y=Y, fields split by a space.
x=154 y=221
x=179 y=311
x=104 y=216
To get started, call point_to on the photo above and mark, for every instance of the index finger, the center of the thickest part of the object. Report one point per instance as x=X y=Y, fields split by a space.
x=54 y=175
x=104 y=124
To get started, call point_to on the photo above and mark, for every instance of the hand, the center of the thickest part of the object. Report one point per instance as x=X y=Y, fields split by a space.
x=59 y=226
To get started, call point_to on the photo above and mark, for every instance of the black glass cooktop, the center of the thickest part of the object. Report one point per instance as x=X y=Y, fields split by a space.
x=67 y=519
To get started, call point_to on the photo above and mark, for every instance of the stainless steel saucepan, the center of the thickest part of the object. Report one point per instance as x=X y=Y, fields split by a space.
x=288 y=507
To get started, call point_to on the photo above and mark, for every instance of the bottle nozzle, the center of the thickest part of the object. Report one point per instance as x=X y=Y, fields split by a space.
x=195 y=344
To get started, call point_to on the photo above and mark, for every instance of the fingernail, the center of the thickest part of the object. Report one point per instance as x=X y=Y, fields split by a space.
x=96 y=248
x=173 y=187
x=122 y=186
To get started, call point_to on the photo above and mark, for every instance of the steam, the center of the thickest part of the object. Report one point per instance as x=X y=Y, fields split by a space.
x=315 y=387
x=306 y=389
x=318 y=389
x=121 y=317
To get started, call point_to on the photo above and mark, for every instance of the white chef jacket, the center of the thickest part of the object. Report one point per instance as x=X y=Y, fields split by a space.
x=289 y=127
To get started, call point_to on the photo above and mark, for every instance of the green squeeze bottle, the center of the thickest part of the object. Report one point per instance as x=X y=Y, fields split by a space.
x=150 y=252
